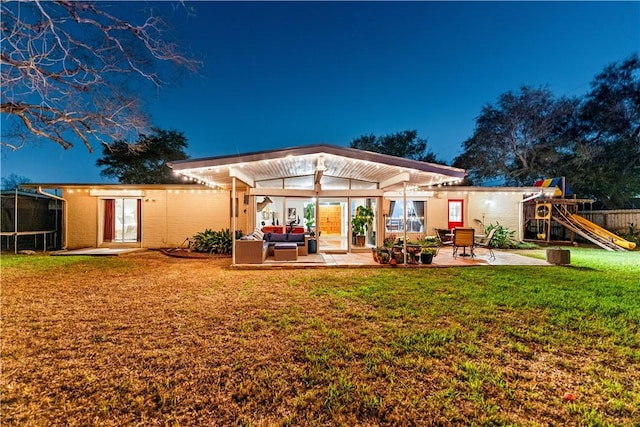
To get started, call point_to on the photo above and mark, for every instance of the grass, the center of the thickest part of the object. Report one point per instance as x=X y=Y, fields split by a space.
x=148 y=339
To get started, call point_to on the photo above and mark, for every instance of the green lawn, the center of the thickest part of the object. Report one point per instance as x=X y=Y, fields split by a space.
x=152 y=340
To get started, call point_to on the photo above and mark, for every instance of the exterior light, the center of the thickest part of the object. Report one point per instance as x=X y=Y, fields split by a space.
x=320 y=166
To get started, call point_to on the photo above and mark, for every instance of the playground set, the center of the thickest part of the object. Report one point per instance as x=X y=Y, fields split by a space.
x=555 y=220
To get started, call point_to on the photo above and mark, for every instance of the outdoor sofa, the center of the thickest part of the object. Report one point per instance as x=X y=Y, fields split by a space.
x=255 y=247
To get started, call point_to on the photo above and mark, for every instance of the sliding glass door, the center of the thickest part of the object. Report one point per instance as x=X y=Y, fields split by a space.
x=122 y=220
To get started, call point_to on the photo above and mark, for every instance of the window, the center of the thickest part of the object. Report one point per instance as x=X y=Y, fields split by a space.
x=415 y=216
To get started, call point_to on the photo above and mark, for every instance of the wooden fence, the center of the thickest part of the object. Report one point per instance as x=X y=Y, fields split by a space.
x=617 y=220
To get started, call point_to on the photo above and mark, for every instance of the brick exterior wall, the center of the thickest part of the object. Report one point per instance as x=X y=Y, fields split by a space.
x=168 y=215
x=82 y=218
x=489 y=207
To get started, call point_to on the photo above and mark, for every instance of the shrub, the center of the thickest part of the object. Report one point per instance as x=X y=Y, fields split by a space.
x=214 y=242
x=504 y=238
x=632 y=234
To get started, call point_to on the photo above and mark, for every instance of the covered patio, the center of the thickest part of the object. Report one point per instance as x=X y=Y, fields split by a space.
x=318 y=189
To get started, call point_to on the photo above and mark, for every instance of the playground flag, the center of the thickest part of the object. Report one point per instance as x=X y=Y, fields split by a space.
x=562 y=189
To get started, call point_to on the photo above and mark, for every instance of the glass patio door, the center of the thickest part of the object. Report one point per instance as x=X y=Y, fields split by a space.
x=332 y=225
x=122 y=220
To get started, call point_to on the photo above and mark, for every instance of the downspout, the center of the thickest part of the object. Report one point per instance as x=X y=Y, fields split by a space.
x=520 y=219
x=64 y=214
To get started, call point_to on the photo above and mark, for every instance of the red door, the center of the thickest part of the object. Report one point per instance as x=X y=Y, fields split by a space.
x=455 y=213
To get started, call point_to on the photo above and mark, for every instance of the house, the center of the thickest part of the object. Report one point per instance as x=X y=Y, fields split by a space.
x=314 y=188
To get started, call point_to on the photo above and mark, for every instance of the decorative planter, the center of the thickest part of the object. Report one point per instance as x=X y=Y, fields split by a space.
x=359 y=240
x=383 y=257
x=559 y=256
x=413 y=253
x=397 y=254
x=426 y=258
x=313 y=246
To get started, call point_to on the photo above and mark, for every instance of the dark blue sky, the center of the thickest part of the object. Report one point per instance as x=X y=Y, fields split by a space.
x=289 y=74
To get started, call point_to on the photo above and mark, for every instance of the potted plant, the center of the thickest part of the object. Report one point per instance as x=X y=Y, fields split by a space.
x=381 y=254
x=313 y=243
x=361 y=222
x=309 y=217
x=389 y=240
x=430 y=248
x=413 y=252
x=427 y=254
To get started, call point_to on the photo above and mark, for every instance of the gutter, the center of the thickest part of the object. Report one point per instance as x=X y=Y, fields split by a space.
x=64 y=214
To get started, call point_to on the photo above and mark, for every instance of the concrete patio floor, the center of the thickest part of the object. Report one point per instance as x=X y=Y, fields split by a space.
x=97 y=251
x=365 y=260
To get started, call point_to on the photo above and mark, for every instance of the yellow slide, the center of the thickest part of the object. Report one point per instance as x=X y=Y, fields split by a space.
x=605 y=234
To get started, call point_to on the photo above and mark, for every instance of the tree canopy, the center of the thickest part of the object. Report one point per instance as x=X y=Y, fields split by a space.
x=518 y=137
x=13 y=181
x=605 y=158
x=72 y=71
x=592 y=140
x=405 y=144
x=146 y=161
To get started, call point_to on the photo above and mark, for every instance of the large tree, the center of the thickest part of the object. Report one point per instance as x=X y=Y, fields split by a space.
x=73 y=71
x=146 y=161
x=604 y=162
x=405 y=144
x=519 y=138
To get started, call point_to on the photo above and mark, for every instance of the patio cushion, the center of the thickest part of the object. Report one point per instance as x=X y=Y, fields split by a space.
x=277 y=237
x=285 y=246
x=296 y=238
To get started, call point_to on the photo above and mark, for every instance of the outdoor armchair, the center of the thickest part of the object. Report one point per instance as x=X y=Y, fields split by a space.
x=463 y=238
x=441 y=235
x=487 y=243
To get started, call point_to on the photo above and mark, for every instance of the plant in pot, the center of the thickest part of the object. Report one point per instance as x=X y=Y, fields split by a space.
x=430 y=248
x=309 y=217
x=361 y=222
x=382 y=254
x=427 y=254
x=389 y=240
x=384 y=257
x=413 y=252
x=313 y=243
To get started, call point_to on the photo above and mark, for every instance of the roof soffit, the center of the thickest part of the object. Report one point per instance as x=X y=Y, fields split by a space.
x=334 y=162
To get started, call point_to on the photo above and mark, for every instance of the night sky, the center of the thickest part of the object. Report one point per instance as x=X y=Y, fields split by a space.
x=288 y=74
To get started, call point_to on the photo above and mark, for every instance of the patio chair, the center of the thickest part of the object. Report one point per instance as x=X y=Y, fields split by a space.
x=463 y=238
x=441 y=235
x=487 y=243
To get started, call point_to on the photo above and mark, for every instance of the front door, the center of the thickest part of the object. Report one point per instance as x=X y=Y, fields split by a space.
x=455 y=214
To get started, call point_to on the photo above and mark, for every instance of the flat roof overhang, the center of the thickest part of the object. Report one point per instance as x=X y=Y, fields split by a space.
x=316 y=160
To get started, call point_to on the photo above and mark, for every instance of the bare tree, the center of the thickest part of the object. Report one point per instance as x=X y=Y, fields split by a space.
x=73 y=71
